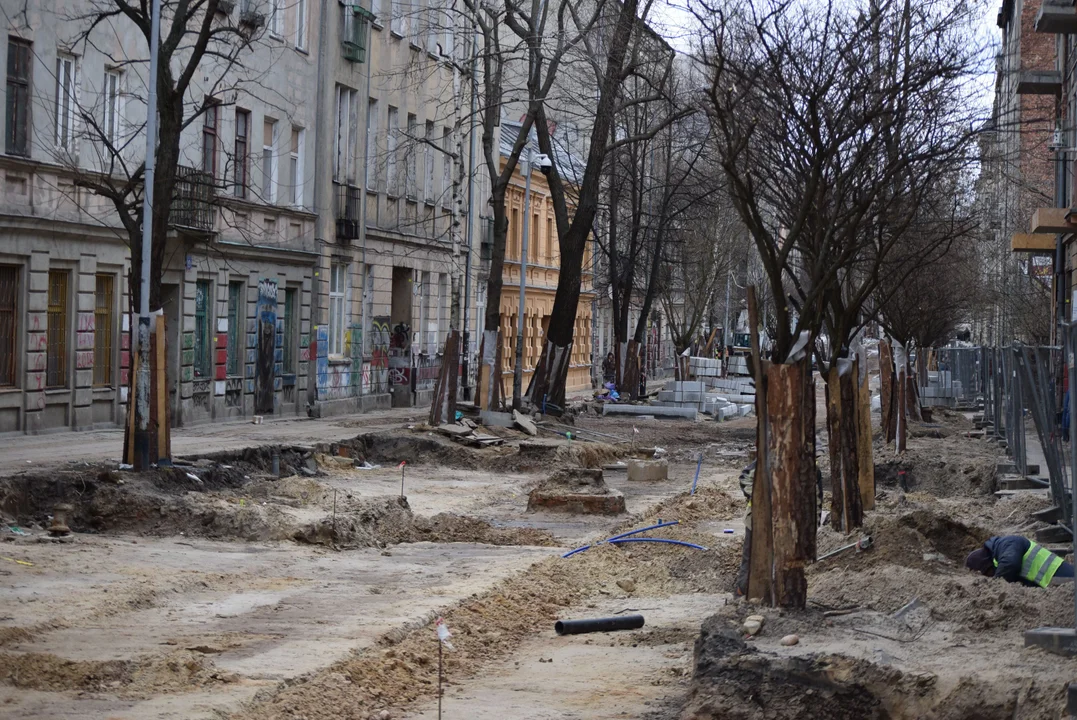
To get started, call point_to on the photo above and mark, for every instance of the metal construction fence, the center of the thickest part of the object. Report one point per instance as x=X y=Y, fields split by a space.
x=955 y=377
x=1022 y=382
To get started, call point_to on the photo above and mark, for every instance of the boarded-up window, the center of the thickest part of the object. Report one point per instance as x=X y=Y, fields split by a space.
x=291 y=328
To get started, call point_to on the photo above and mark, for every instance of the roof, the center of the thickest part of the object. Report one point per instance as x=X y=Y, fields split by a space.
x=569 y=165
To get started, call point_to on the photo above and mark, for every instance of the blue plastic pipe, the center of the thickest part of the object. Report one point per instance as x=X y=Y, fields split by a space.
x=659 y=540
x=570 y=553
x=696 y=479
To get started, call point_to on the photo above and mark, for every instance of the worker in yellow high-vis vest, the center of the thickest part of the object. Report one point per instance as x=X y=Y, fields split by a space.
x=1018 y=559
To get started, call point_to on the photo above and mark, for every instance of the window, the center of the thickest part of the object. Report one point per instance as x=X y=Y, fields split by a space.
x=295 y=161
x=399 y=22
x=113 y=99
x=446 y=166
x=102 y=332
x=447 y=39
x=338 y=285
x=56 y=330
x=428 y=157
x=410 y=150
x=274 y=18
x=417 y=22
x=269 y=161
x=203 y=357
x=65 y=102
x=301 y=24
x=433 y=26
x=551 y=242
x=392 y=181
x=513 y=239
x=291 y=329
x=371 y=144
x=243 y=132
x=236 y=327
x=17 y=139
x=347 y=109
x=209 y=139
x=9 y=294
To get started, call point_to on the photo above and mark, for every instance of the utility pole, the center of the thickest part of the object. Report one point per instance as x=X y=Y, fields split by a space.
x=518 y=369
x=142 y=379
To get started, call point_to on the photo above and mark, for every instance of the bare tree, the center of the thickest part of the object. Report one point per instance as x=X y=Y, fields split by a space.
x=201 y=56
x=625 y=49
x=832 y=122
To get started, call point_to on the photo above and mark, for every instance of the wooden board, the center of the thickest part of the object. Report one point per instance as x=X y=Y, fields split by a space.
x=130 y=459
x=886 y=389
x=865 y=447
x=850 y=463
x=791 y=454
x=761 y=562
x=162 y=390
x=833 y=438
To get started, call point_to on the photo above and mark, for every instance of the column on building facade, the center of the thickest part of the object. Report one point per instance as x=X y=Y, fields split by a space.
x=37 y=305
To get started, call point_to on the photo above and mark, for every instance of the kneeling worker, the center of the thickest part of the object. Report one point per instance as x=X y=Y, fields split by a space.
x=1018 y=559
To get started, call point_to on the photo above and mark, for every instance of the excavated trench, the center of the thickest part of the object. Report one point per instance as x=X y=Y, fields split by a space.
x=236 y=496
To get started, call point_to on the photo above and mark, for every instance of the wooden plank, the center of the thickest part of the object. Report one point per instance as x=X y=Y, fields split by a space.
x=761 y=560
x=131 y=412
x=162 y=389
x=865 y=448
x=791 y=453
x=850 y=463
x=886 y=388
x=833 y=441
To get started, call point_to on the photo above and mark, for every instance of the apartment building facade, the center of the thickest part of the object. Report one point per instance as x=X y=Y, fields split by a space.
x=1017 y=179
x=239 y=266
x=397 y=133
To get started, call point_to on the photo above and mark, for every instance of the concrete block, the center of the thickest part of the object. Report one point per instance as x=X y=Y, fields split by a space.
x=691 y=396
x=656 y=410
x=648 y=470
x=727 y=412
x=1059 y=641
x=666 y=396
x=744 y=410
x=496 y=419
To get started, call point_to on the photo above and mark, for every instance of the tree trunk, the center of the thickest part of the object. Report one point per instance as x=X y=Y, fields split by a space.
x=494 y=282
x=887 y=393
x=489 y=371
x=630 y=385
x=548 y=382
x=791 y=457
x=912 y=399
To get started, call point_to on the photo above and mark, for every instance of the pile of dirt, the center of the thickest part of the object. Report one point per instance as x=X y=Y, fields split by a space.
x=446 y=527
x=921 y=538
x=954 y=466
x=177 y=671
x=973 y=604
x=709 y=503
x=732 y=680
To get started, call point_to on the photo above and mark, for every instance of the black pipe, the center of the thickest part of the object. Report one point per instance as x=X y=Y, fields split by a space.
x=578 y=627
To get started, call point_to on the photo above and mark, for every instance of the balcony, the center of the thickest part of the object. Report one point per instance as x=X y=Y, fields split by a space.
x=1039 y=82
x=1051 y=221
x=348 y=198
x=249 y=16
x=192 y=202
x=356 y=29
x=1058 y=18
x=1032 y=243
